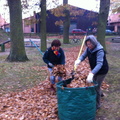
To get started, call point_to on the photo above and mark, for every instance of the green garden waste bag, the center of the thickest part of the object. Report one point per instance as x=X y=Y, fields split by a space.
x=76 y=103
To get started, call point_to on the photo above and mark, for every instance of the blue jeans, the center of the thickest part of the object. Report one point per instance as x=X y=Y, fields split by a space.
x=52 y=77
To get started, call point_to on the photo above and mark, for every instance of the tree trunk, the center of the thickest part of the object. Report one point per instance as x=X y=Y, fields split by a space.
x=103 y=15
x=43 y=26
x=66 y=23
x=17 y=50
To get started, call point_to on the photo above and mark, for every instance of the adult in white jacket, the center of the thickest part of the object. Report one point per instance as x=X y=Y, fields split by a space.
x=98 y=63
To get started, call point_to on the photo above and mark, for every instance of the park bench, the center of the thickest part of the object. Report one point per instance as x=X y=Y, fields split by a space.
x=2 y=45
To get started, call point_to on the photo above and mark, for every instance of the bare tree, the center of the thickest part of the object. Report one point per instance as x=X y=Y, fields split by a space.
x=103 y=15
x=43 y=25
x=66 y=23
x=17 y=50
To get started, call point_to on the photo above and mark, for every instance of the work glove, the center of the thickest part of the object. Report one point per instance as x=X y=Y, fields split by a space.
x=90 y=77
x=77 y=62
x=51 y=65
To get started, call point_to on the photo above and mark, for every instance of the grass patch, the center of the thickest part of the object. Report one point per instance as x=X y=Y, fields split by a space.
x=3 y=36
x=18 y=76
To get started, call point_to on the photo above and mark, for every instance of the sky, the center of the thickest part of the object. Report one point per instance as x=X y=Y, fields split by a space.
x=86 y=4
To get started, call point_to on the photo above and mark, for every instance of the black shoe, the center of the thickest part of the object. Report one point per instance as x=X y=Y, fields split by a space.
x=102 y=95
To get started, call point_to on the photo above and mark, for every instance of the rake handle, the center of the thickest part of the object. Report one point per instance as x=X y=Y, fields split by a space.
x=75 y=66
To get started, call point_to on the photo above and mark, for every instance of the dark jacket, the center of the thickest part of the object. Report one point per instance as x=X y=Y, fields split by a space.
x=92 y=57
x=50 y=57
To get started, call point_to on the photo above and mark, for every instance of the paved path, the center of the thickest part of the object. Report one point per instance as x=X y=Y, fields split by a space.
x=116 y=39
x=34 y=40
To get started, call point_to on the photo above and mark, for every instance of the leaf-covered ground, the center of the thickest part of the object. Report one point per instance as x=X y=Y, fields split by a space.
x=38 y=102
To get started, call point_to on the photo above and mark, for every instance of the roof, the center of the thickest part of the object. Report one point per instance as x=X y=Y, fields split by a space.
x=113 y=18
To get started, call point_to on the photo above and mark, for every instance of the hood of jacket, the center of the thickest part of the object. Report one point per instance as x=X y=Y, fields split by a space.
x=94 y=41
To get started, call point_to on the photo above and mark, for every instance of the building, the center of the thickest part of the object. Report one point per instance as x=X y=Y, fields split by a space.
x=114 y=22
x=29 y=25
x=2 y=22
x=85 y=21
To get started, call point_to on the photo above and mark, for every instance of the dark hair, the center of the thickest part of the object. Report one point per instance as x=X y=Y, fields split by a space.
x=56 y=43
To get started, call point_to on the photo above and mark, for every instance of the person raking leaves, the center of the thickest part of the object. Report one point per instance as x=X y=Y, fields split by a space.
x=54 y=55
x=98 y=64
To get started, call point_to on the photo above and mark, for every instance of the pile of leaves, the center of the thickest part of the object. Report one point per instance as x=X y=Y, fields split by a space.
x=39 y=102
x=59 y=70
x=79 y=76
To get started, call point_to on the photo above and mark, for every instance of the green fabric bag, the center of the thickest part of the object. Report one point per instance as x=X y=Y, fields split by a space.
x=76 y=103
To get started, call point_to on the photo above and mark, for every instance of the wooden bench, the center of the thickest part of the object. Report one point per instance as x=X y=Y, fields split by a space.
x=2 y=45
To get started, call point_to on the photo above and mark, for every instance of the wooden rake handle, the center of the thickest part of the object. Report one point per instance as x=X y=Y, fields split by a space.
x=75 y=67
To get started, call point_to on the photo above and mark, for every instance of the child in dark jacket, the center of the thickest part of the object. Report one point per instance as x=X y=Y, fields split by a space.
x=54 y=56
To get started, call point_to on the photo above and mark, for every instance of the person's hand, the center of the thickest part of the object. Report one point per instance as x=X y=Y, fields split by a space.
x=90 y=77
x=77 y=62
x=50 y=64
